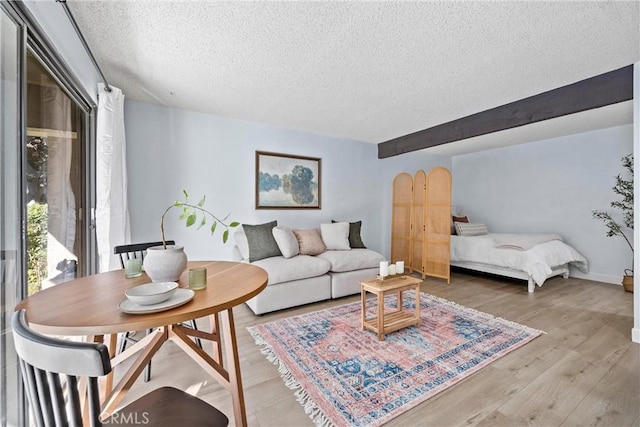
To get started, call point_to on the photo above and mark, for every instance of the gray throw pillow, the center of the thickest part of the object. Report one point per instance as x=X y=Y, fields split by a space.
x=355 y=241
x=261 y=242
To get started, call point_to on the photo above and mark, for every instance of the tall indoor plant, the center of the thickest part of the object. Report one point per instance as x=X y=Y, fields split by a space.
x=623 y=188
x=167 y=262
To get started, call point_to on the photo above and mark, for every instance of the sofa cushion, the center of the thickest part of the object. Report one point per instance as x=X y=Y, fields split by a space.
x=355 y=259
x=261 y=241
x=286 y=240
x=355 y=238
x=335 y=236
x=310 y=241
x=291 y=294
x=282 y=269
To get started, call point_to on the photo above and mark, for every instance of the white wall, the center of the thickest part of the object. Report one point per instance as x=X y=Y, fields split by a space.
x=170 y=149
x=551 y=186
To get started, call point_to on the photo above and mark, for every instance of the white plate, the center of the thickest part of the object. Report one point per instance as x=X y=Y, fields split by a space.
x=181 y=296
x=151 y=293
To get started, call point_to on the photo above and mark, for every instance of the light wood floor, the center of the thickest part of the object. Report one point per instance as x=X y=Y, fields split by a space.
x=585 y=371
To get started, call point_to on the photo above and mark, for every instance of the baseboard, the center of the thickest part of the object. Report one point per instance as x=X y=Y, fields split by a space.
x=596 y=277
x=635 y=335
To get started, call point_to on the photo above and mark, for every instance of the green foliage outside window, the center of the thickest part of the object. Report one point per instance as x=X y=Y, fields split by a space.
x=37 y=210
x=36 y=245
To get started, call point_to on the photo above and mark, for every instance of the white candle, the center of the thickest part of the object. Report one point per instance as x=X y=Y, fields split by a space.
x=384 y=268
x=400 y=267
x=392 y=269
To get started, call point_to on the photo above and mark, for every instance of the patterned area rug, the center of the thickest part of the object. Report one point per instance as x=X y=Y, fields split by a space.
x=344 y=376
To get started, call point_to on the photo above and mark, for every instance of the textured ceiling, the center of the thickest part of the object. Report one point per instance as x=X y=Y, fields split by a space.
x=368 y=71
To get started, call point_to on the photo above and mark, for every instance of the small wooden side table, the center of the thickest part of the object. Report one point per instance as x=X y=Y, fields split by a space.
x=383 y=323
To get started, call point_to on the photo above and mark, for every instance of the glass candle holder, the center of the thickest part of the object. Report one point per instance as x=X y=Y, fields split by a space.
x=197 y=278
x=132 y=268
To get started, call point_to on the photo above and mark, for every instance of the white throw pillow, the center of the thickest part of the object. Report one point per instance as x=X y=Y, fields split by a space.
x=287 y=241
x=335 y=236
x=241 y=242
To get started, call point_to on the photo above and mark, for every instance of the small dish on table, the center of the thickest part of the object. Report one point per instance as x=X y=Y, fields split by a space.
x=151 y=293
x=180 y=297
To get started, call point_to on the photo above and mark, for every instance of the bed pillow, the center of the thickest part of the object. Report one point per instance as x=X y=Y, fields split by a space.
x=286 y=241
x=335 y=236
x=261 y=242
x=355 y=239
x=455 y=219
x=310 y=241
x=470 y=228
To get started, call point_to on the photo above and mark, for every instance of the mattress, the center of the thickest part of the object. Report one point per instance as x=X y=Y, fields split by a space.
x=538 y=262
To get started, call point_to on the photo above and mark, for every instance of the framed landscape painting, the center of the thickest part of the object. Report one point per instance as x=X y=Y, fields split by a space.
x=285 y=181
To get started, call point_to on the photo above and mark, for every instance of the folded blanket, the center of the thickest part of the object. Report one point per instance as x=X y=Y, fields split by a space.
x=523 y=242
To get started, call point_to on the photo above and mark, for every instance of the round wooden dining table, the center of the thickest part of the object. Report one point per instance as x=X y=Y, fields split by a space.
x=89 y=306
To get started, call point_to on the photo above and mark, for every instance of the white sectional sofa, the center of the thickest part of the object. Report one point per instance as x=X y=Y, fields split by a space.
x=302 y=273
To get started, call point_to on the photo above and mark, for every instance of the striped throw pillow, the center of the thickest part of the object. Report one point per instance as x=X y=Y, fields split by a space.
x=471 y=228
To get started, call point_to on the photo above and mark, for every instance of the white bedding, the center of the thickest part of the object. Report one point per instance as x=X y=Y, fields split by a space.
x=522 y=242
x=537 y=262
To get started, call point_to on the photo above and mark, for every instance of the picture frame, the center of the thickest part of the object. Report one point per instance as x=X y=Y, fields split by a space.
x=286 y=181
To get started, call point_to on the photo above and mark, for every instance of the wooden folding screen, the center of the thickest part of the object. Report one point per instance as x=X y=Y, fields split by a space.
x=417 y=221
x=438 y=224
x=401 y=219
x=420 y=233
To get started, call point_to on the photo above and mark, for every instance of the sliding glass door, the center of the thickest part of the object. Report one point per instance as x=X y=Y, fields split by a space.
x=11 y=248
x=55 y=181
x=47 y=125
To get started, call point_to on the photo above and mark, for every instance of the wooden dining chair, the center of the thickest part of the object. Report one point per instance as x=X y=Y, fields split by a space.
x=52 y=370
x=139 y=251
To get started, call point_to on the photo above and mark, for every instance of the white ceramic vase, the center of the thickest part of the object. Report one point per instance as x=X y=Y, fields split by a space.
x=165 y=265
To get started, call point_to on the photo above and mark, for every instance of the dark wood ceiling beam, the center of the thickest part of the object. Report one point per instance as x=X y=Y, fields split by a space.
x=595 y=92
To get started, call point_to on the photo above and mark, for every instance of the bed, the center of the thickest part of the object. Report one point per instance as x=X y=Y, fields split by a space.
x=531 y=257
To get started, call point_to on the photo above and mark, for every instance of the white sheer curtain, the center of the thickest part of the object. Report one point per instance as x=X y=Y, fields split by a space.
x=112 y=212
x=61 y=217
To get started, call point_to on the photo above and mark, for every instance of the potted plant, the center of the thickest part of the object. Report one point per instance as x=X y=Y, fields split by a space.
x=167 y=262
x=624 y=188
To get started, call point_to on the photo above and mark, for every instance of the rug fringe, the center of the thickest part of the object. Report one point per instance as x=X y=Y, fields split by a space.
x=310 y=407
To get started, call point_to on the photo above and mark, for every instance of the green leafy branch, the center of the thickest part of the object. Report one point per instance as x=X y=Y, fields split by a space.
x=190 y=215
x=624 y=188
x=613 y=228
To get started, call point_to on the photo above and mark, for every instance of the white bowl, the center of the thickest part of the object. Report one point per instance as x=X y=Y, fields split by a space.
x=151 y=293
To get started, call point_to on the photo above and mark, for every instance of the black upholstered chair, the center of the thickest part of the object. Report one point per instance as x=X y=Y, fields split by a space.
x=139 y=251
x=51 y=372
